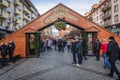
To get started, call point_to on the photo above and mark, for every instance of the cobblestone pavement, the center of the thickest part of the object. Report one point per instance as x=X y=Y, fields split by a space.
x=53 y=65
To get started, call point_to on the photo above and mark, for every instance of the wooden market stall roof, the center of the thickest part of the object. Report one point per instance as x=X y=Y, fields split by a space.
x=59 y=11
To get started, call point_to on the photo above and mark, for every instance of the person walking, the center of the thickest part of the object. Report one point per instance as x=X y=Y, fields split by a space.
x=73 y=50
x=60 y=44
x=112 y=52
x=104 y=46
x=68 y=45
x=11 y=47
x=79 y=51
x=3 y=53
x=55 y=44
x=84 y=47
x=63 y=45
x=97 y=49
x=49 y=44
x=44 y=45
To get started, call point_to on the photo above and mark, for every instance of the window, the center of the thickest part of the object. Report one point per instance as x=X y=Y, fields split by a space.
x=116 y=8
x=100 y=22
x=97 y=12
x=116 y=18
x=8 y=13
x=100 y=16
x=0 y=22
x=0 y=11
x=97 y=18
x=9 y=4
x=115 y=1
x=94 y=14
x=0 y=1
x=5 y=10
x=94 y=19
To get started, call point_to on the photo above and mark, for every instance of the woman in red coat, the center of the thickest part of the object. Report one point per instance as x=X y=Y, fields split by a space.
x=104 y=46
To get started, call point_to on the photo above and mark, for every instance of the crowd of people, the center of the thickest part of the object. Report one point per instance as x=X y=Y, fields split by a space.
x=7 y=49
x=78 y=47
x=74 y=45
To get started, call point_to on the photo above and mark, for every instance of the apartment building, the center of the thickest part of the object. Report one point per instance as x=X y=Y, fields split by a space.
x=14 y=14
x=115 y=27
x=96 y=14
x=106 y=14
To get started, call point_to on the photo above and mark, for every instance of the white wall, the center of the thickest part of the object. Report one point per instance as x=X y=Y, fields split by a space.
x=119 y=9
x=113 y=14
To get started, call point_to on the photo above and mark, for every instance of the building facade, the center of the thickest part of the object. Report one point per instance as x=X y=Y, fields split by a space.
x=106 y=14
x=16 y=13
x=116 y=16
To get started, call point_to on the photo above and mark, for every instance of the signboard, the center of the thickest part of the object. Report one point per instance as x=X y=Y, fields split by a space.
x=60 y=11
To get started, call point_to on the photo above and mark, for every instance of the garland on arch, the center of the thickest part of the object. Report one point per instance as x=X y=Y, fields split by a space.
x=60 y=25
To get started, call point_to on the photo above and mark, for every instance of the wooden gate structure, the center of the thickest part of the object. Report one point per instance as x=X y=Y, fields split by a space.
x=59 y=11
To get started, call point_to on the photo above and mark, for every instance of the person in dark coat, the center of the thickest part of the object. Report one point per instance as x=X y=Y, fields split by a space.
x=68 y=45
x=55 y=44
x=119 y=53
x=84 y=47
x=73 y=50
x=79 y=51
x=97 y=49
x=3 y=53
x=11 y=47
x=112 y=52
x=60 y=45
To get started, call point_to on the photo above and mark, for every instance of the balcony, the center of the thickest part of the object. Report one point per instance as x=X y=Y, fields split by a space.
x=9 y=21
x=106 y=17
x=4 y=15
x=17 y=12
x=17 y=3
x=25 y=23
x=106 y=8
x=18 y=21
x=25 y=10
x=90 y=18
x=33 y=16
x=26 y=18
x=3 y=3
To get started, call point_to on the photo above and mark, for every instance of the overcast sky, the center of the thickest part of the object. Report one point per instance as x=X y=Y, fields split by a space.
x=80 y=6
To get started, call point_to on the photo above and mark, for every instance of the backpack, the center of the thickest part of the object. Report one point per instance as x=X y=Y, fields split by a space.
x=78 y=45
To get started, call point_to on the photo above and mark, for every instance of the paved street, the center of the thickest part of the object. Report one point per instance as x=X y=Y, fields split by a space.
x=55 y=65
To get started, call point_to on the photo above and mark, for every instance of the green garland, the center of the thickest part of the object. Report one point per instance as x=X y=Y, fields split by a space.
x=37 y=44
x=85 y=36
x=60 y=25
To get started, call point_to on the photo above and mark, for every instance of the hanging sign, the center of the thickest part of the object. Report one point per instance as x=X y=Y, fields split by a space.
x=60 y=11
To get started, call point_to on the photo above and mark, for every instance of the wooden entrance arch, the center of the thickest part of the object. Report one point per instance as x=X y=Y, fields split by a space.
x=59 y=11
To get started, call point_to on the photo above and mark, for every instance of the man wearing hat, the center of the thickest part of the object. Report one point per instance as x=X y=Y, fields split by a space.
x=112 y=52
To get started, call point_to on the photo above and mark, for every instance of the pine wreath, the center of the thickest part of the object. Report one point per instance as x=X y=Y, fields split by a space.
x=60 y=25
